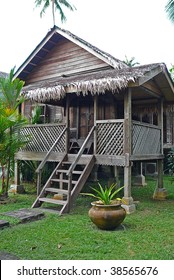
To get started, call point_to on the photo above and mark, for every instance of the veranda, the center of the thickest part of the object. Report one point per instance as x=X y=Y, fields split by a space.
x=113 y=139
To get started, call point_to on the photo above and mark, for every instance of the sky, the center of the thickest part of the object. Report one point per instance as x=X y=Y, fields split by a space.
x=132 y=28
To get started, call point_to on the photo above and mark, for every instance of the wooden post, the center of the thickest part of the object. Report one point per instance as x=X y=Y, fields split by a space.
x=69 y=192
x=129 y=206
x=95 y=118
x=160 y=192
x=160 y=162
x=67 y=123
x=17 y=173
x=39 y=176
x=95 y=170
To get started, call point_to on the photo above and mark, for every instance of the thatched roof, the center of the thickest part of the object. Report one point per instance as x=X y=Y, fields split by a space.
x=94 y=83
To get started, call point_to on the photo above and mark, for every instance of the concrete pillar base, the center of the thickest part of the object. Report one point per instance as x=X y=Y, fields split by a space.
x=139 y=180
x=16 y=189
x=160 y=194
x=128 y=205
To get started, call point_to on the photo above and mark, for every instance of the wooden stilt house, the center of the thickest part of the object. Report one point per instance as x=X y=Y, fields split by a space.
x=95 y=111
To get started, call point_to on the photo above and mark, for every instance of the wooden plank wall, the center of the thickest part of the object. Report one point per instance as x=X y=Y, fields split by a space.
x=65 y=58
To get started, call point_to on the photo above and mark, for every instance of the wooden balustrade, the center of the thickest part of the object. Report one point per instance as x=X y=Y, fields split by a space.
x=146 y=139
x=110 y=137
x=43 y=137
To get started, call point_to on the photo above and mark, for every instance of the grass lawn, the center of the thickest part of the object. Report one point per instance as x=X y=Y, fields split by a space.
x=148 y=233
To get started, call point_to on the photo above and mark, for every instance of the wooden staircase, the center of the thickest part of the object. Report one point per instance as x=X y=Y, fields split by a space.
x=63 y=186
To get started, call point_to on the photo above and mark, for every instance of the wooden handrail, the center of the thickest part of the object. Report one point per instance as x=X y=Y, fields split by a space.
x=80 y=151
x=41 y=165
x=149 y=125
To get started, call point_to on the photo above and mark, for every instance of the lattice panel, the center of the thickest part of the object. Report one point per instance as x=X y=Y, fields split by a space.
x=110 y=138
x=146 y=140
x=43 y=137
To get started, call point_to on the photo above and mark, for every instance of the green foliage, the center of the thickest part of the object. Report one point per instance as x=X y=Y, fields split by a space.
x=11 y=89
x=56 y=5
x=105 y=194
x=36 y=112
x=169 y=8
x=146 y=234
x=130 y=62
x=28 y=170
x=10 y=123
x=170 y=161
x=171 y=70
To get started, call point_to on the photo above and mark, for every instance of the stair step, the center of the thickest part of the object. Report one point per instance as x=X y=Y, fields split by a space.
x=51 y=200
x=70 y=162
x=63 y=181
x=66 y=162
x=54 y=190
x=65 y=171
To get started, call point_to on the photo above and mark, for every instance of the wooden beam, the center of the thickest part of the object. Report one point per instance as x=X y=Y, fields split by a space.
x=127 y=121
x=129 y=207
x=16 y=173
x=160 y=121
x=150 y=92
x=33 y=54
x=146 y=157
x=146 y=77
x=169 y=80
x=149 y=75
x=153 y=87
x=67 y=123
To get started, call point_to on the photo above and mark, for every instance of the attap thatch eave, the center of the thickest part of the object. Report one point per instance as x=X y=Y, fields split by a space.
x=91 y=83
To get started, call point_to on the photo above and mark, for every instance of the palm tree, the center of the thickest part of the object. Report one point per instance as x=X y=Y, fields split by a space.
x=170 y=10
x=55 y=5
x=10 y=123
x=130 y=62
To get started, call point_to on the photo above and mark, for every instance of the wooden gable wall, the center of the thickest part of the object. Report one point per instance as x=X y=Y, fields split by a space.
x=65 y=58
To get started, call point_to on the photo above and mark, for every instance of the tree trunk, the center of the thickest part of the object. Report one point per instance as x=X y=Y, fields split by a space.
x=53 y=12
x=3 y=184
x=9 y=162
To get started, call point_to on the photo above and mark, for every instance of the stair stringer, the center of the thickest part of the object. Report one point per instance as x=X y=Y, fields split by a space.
x=38 y=203
x=79 y=185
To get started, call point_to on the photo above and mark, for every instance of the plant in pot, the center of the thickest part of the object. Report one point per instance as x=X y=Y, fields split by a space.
x=106 y=213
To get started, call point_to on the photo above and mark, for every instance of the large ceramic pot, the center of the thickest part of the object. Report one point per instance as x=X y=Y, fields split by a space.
x=107 y=217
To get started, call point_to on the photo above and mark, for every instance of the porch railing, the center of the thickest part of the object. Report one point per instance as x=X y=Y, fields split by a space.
x=110 y=137
x=146 y=139
x=43 y=136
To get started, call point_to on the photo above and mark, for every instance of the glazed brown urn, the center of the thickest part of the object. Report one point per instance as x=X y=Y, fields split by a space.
x=107 y=217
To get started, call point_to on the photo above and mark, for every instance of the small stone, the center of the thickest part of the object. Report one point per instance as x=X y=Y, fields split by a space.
x=26 y=215
x=7 y=256
x=4 y=224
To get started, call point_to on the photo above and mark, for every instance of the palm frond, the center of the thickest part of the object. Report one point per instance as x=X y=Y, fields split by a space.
x=67 y=4
x=45 y=6
x=169 y=8
x=58 y=8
